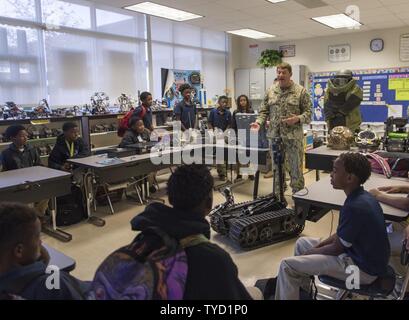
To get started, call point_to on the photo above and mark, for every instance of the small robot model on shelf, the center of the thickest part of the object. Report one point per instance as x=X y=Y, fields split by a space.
x=126 y=103
x=396 y=135
x=367 y=141
x=42 y=110
x=12 y=111
x=100 y=103
x=46 y=132
x=340 y=138
x=259 y=222
x=57 y=132
x=33 y=132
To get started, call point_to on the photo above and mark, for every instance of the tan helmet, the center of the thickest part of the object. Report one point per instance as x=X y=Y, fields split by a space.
x=340 y=138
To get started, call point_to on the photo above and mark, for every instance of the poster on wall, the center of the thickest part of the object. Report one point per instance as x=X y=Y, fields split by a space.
x=385 y=92
x=339 y=53
x=173 y=79
x=288 y=51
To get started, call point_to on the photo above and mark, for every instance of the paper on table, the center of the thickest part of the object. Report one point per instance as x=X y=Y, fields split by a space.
x=395 y=111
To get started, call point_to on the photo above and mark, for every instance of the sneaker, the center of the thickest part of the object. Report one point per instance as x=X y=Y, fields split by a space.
x=222 y=177
x=239 y=177
x=269 y=175
x=152 y=189
x=251 y=178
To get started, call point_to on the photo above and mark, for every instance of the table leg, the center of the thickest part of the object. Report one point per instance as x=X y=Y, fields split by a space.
x=89 y=195
x=52 y=229
x=317 y=175
x=256 y=184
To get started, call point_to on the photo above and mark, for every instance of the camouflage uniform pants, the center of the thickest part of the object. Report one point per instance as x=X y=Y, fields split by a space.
x=293 y=165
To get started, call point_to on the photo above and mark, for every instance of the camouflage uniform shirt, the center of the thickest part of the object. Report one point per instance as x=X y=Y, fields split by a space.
x=279 y=104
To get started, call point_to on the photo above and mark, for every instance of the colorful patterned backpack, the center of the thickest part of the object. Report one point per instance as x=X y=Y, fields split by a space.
x=153 y=267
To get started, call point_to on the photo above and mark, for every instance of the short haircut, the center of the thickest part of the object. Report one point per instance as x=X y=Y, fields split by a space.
x=133 y=121
x=189 y=186
x=184 y=87
x=222 y=98
x=13 y=131
x=68 y=126
x=356 y=164
x=144 y=95
x=15 y=220
x=285 y=65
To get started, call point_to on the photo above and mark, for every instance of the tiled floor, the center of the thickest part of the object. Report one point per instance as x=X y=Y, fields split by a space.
x=90 y=244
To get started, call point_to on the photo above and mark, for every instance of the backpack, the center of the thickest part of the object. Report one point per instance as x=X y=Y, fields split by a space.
x=153 y=267
x=389 y=167
x=71 y=208
x=124 y=122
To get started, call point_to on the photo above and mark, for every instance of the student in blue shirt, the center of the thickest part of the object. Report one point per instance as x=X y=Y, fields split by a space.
x=220 y=118
x=185 y=111
x=361 y=239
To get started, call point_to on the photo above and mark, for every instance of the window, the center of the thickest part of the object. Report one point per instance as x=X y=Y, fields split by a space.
x=20 y=75
x=120 y=24
x=189 y=48
x=18 y=9
x=60 y=13
x=120 y=68
x=162 y=57
x=70 y=69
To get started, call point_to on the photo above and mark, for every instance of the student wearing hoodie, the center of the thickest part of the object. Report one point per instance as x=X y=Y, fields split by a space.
x=69 y=145
x=210 y=274
x=23 y=260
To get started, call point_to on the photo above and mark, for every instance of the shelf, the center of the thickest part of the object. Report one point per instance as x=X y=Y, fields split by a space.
x=45 y=156
x=102 y=133
x=30 y=141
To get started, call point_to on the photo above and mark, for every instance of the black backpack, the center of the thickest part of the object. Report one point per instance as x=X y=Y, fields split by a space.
x=71 y=208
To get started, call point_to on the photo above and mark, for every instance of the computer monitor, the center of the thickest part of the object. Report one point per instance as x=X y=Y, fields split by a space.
x=243 y=121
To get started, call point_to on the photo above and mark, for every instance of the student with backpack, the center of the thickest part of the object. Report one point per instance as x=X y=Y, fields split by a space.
x=143 y=112
x=23 y=260
x=172 y=257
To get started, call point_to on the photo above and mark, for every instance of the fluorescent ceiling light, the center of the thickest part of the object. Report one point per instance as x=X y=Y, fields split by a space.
x=276 y=1
x=250 y=33
x=158 y=10
x=338 y=21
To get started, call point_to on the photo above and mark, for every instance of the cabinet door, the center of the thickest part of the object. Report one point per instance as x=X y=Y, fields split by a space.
x=242 y=82
x=257 y=84
x=271 y=74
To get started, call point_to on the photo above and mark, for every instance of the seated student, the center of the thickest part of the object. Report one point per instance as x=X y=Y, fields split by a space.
x=220 y=118
x=69 y=145
x=360 y=240
x=185 y=111
x=144 y=111
x=136 y=133
x=20 y=155
x=210 y=274
x=401 y=230
x=23 y=260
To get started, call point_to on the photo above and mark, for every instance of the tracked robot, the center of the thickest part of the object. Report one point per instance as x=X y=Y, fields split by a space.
x=262 y=221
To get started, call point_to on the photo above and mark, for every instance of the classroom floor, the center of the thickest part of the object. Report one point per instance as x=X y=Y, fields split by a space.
x=91 y=245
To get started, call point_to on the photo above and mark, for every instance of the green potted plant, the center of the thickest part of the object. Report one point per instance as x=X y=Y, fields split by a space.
x=270 y=58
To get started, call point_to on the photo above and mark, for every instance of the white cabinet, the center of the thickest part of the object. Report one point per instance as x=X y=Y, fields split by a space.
x=254 y=82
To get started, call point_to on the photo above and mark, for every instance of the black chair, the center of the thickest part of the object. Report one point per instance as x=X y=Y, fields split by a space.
x=380 y=288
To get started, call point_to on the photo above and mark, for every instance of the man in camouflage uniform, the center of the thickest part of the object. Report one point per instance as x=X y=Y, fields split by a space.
x=288 y=106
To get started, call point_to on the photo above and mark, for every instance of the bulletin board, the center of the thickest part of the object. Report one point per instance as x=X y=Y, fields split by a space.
x=386 y=92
